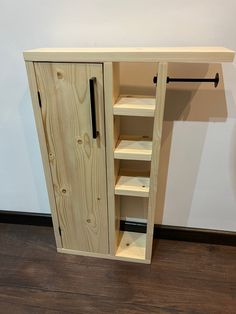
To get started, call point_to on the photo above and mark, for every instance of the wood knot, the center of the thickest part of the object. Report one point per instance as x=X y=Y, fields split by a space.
x=51 y=156
x=59 y=75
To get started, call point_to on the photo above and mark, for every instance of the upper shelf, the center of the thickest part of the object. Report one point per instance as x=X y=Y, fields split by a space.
x=135 y=106
x=148 y=54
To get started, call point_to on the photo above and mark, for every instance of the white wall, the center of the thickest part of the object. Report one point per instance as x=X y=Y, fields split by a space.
x=200 y=187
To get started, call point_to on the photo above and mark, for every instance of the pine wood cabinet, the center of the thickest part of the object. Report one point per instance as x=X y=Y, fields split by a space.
x=96 y=153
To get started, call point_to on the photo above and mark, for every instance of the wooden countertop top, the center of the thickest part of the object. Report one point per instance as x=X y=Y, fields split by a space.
x=142 y=54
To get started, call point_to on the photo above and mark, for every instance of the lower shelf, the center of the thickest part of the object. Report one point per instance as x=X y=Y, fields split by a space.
x=132 y=245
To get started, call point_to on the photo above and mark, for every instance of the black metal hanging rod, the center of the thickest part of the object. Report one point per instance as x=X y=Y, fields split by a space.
x=214 y=80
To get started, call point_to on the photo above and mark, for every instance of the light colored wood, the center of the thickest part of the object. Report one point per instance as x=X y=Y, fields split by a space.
x=132 y=186
x=107 y=256
x=115 y=124
x=139 y=54
x=116 y=127
x=77 y=161
x=135 y=106
x=133 y=209
x=156 y=145
x=136 y=79
x=115 y=81
x=134 y=171
x=43 y=147
x=138 y=149
x=111 y=137
x=132 y=245
x=117 y=221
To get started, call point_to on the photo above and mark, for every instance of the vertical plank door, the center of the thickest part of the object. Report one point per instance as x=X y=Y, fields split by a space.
x=76 y=151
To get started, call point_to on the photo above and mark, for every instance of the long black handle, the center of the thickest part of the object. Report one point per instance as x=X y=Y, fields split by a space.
x=214 y=80
x=92 y=82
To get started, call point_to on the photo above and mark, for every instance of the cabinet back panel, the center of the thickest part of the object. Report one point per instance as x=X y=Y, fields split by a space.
x=136 y=78
x=77 y=161
x=140 y=126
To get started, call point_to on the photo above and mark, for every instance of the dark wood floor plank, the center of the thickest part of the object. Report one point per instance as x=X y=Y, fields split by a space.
x=17 y=308
x=184 y=277
x=73 y=303
x=117 y=285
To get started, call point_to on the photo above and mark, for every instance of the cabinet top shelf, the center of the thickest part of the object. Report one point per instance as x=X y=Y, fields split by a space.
x=141 y=54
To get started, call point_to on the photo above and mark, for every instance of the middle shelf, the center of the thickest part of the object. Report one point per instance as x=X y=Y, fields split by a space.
x=132 y=186
x=133 y=148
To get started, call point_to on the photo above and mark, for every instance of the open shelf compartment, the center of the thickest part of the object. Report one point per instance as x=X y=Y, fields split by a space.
x=134 y=105
x=132 y=245
x=135 y=90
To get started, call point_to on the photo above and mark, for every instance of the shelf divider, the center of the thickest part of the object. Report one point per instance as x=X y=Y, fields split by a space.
x=156 y=142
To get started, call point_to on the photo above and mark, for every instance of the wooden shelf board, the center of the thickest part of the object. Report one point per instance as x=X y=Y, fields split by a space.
x=141 y=106
x=132 y=186
x=137 y=149
x=132 y=245
x=138 y=54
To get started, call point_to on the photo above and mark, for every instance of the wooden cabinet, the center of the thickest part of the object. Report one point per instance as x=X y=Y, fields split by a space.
x=100 y=138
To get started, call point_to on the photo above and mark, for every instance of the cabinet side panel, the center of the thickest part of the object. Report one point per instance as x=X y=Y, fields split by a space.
x=43 y=147
x=111 y=91
x=156 y=146
x=77 y=159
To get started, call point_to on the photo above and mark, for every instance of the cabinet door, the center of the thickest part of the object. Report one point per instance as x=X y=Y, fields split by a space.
x=76 y=153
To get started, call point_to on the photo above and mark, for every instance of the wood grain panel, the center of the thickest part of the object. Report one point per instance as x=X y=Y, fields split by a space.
x=156 y=146
x=77 y=161
x=43 y=147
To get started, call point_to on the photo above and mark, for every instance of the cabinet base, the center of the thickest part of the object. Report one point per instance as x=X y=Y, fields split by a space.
x=107 y=256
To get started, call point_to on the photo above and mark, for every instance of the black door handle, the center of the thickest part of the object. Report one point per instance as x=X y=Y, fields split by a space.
x=92 y=82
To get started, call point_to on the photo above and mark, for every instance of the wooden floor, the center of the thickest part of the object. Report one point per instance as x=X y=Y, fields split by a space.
x=183 y=278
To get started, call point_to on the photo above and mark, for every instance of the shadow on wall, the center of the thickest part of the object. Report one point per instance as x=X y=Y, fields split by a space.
x=192 y=102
